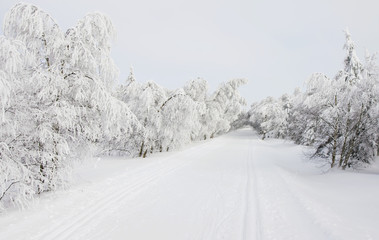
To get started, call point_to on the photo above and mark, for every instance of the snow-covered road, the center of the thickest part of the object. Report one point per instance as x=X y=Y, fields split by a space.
x=232 y=187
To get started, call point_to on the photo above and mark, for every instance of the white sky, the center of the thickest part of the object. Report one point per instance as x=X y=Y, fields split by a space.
x=276 y=44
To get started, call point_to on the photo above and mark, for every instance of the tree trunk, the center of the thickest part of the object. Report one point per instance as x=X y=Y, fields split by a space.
x=334 y=153
x=345 y=138
x=335 y=135
x=212 y=135
x=141 y=149
x=343 y=151
x=352 y=142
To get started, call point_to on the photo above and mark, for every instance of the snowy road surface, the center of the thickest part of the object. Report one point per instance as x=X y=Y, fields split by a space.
x=232 y=187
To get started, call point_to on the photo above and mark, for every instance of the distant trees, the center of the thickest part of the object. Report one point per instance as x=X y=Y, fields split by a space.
x=58 y=101
x=338 y=116
x=269 y=117
x=174 y=118
x=223 y=108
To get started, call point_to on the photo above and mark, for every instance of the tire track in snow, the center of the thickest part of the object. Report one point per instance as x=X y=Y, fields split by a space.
x=252 y=214
x=246 y=207
x=67 y=228
x=258 y=215
x=95 y=210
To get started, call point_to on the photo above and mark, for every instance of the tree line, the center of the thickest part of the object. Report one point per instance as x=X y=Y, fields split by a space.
x=59 y=102
x=338 y=116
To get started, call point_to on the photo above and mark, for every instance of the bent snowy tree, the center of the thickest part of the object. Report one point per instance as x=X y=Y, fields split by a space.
x=56 y=97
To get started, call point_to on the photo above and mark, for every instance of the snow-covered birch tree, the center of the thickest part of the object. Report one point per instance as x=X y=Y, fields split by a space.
x=56 y=98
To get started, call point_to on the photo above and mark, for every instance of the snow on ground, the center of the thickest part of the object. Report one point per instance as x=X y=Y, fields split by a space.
x=232 y=187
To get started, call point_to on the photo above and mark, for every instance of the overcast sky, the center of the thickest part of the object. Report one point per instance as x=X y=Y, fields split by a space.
x=275 y=44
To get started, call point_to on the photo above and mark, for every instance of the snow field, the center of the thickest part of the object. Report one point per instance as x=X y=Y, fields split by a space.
x=233 y=187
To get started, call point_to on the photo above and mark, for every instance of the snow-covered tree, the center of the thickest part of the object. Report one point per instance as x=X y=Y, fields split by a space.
x=269 y=117
x=337 y=115
x=197 y=90
x=145 y=100
x=56 y=97
x=32 y=117
x=180 y=120
x=57 y=100
x=223 y=107
x=37 y=30
x=15 y=178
